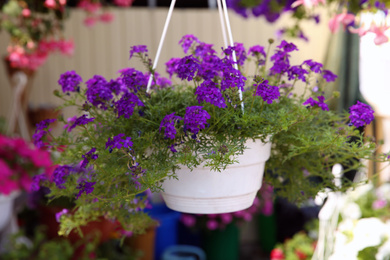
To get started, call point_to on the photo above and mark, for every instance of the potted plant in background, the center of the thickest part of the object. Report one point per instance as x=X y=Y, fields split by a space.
x=21 y=167
x=126 y=141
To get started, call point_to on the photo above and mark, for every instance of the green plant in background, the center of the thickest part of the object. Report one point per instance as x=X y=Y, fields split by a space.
x=127 y=139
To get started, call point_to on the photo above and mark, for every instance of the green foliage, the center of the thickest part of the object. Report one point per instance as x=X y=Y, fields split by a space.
x=306 y=143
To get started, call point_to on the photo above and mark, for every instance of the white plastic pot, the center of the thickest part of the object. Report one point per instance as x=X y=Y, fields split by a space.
x=6 y=208
x=203 y=191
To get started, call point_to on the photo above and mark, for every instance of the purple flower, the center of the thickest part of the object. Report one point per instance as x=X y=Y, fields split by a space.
x=287 y=46
x=98 y=93
x=172 y=148
x=212 y=224
x=186 y=42
x=203 y=50
x=188 y=220
x=158 y=81
x=82 y=120
x=70 y=81
x=125 y=105
x=237 y=7
x=118 y=142
x=88 y=156
x=267 y=92
x=231 y=77
x=136 y=172
x=361 y=114
x=297 y=72
x=328 y=76
x=187 y=68
x=211 y=67
x=85 y=186
x=209 y=92
x=258 y=52
x=320 y=103
x=36 y=180
x=281 y=62
x=40 y=132
x=314 y=66
x=60 y=174
x=195 y=119
x=172 y=66
x=169 y=123
x=138 y=49
x=116 y=86
x=239 y=50
x=133 y=79
x=59 y=214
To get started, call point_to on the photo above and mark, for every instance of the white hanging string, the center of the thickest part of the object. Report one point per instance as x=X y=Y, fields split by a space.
x=161 y=43
x=232 y=45
x=222 y=23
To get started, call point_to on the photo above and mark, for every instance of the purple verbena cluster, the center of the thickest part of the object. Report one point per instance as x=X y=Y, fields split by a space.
x=125 y=105
x=36 y=181
x=85 y=187
x=195 y=119
x=133 y=79
x=138 y=49
x=118 y=142
x=98 y=93
x=209 y=92
x=40 y=131
x=187 y=68
x=90 y=155
x=361 y=114
x=168 y=123
x=267 y=92
x=281 y=62
x=70 y=81
x=60 y=174
x=186 y=42
x=258 y=52
x=82 y=120
x=297 y=72
x=320 y=103
x=329 y=76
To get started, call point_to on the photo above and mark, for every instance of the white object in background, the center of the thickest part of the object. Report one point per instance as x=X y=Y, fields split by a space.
x=374 y=81
x=328 y=217
x=17 y=116
x=203 y=191
x=8 y=223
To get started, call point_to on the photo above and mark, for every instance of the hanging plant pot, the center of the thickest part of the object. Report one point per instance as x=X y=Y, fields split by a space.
x=203 y=191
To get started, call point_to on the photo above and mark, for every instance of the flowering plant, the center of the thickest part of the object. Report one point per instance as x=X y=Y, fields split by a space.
x=128 y=140
x=22 y=165
x=364 y=229
x=300 y=247
x=346 y=14
x=35 y=28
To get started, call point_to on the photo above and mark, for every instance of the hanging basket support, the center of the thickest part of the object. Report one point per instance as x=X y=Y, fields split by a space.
x=224 y=18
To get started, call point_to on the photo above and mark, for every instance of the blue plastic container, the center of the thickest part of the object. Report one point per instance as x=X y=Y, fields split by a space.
x=184 y=252
x=167 y=231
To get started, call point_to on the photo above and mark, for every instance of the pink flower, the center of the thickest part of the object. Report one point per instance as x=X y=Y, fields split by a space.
x=379 y=203
x=124 y=3
x=343 y=18
x=25 y=181
x=90 y=21
x=307 y=3
x=380 y=34
x=51 y=4
x=188 y=220
x=268 y=208
x=361 y=31
x=226 y=218
x=88 y=6
x=106 y=17
x=62 y=2
x=5 y=171
x=66 y=47
x=212 y=224
x=26 y=12
x=7 y=186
